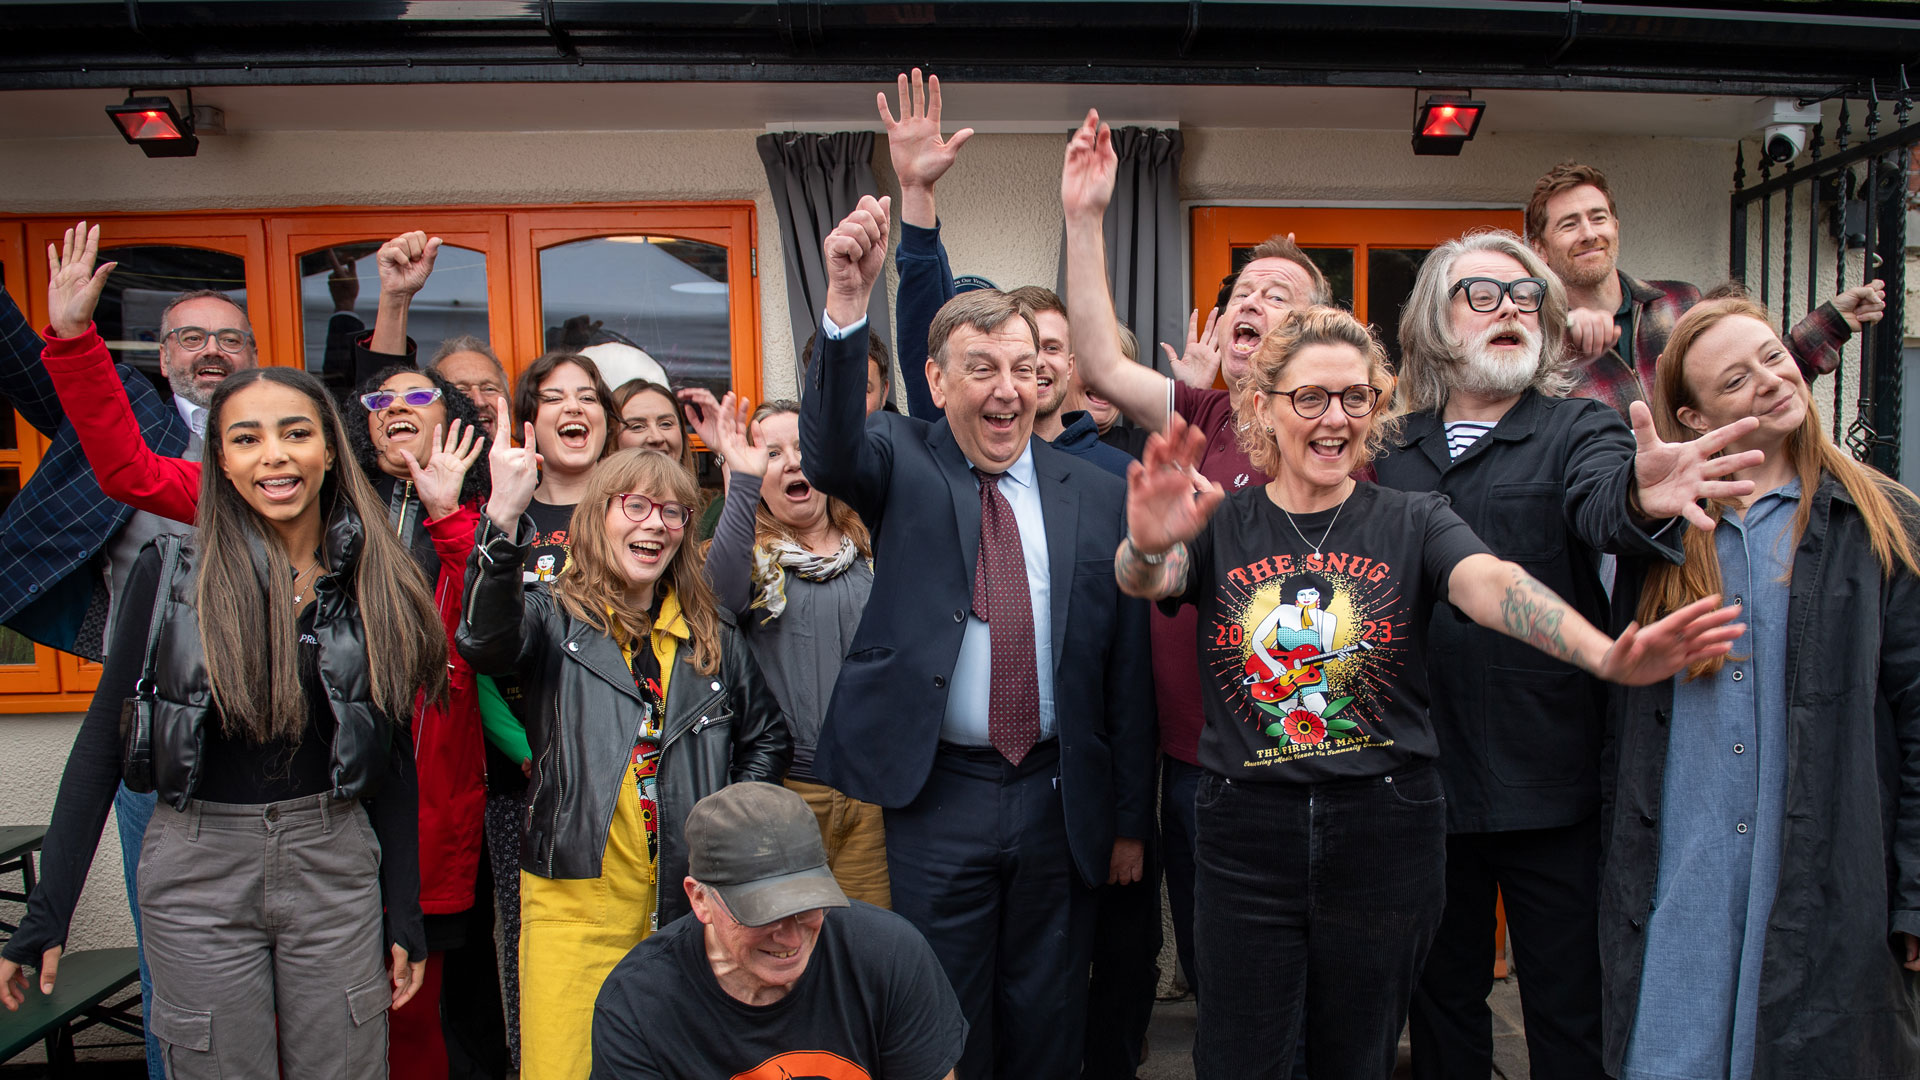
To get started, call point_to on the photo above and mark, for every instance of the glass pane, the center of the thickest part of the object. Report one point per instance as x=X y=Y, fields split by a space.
x=137 y=292
x=9 y=428
x=663 y=296
x=1336 y=263
x=340 y=288
x=1390 y=274
x=14 y=649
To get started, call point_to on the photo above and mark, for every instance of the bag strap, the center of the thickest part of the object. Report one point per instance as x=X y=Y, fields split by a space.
x=169 y=545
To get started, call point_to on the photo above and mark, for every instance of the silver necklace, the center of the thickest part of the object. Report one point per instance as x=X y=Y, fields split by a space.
x=1323 y=536
x=299 y=593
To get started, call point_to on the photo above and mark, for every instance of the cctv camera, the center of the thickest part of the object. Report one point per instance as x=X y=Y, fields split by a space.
x=1783 y=142
x=1784 y=123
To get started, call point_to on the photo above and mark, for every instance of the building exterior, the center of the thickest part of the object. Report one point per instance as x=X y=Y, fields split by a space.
x=598 y=159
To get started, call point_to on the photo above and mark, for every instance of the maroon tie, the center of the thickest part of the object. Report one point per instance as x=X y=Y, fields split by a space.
x=1001 y=597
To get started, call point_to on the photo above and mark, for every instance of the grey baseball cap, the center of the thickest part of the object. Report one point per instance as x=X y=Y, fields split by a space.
x=759 y=847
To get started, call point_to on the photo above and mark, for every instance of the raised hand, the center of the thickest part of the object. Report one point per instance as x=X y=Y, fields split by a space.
x=73 y=283
x=920 y=156
x=438 y=482
x=1086 y=180
x=702 y=411
x=1198 y=366
x=405 y=262
x=1641 y=656
x=515 y=469
x=1590 y=333
x=735 y=442
x=1671 y=478
x=1168 y=501
x=856 y=252
x=1862 y=304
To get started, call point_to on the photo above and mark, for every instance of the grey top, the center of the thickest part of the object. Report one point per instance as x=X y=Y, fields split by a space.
x=1723 y=810
x=137 y=533
x=800 y=650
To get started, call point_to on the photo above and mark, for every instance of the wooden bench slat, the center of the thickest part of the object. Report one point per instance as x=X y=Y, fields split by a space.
x=85 y=979
x=17 y=840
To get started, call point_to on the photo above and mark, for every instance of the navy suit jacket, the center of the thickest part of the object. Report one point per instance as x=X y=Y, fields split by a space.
x=913 y=487
x=52 y=529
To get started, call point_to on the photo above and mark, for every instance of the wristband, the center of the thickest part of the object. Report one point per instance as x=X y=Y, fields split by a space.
x=1150 y=560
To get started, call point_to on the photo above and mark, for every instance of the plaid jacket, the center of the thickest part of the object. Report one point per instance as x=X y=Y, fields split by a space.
x=1815 y=342
x=58 y=522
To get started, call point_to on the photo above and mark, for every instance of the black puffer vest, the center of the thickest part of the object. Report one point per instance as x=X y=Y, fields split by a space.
x=362 y=735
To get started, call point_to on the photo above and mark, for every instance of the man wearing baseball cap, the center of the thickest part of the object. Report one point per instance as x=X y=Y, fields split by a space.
x=776 y=974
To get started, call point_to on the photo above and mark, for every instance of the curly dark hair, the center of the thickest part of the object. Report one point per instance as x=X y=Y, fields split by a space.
x=479 y=482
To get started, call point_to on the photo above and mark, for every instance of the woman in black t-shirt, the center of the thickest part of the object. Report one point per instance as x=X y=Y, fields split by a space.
x=1321 y=856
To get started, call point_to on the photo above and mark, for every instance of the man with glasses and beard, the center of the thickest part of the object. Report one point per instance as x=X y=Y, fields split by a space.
x=1552 y=483
x=65 y=547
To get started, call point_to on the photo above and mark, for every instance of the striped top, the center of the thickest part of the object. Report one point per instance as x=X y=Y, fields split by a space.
x=1462 y=434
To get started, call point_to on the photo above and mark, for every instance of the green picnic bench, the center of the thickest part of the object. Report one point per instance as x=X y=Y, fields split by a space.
x=17 y=845
x=86 y=980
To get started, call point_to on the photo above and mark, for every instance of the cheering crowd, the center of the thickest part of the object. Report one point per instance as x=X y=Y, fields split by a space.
x=453 y=728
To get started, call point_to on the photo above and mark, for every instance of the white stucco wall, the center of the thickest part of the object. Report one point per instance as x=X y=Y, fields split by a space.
x=33 y=751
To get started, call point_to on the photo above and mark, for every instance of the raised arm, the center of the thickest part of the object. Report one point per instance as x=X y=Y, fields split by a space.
x=1168 y=503
x=23 y=382
x=729 y=562
x=84 y=376
x=841 y=455
x=920 y=158
x=404 y=262
x=1816 y=340
x=1142 y=394
x=1501 y=596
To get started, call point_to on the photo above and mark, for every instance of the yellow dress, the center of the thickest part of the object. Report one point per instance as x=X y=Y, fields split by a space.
x=572 y=933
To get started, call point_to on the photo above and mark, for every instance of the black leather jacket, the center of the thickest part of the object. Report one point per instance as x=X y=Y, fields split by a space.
x=581 y=718
x=363 y=736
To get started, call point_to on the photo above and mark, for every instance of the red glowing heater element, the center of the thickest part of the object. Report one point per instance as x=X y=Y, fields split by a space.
x=1445 y=123
x=155 y=126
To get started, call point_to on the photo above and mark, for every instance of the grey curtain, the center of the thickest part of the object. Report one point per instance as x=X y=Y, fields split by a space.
x=816 y=180
x=1144 y=259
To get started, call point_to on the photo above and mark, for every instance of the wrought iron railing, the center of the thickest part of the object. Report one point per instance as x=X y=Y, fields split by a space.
x=1845 y=209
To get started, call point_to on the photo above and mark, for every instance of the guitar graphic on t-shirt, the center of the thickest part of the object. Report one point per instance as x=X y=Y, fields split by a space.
x=1298 y=666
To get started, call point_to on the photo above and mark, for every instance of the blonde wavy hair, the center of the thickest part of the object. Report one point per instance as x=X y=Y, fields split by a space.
x=1319 y=325
x=592 y=587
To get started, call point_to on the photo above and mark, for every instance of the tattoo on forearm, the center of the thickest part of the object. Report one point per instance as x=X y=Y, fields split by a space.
x=1533 y=614
x=1137 y=577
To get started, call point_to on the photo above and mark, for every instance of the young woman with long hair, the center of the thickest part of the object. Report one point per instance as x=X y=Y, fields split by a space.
x=1760 y=891
x=795 y=568
x=652 y=418
x=414 y=439
x=292 y=641
x=639 y=700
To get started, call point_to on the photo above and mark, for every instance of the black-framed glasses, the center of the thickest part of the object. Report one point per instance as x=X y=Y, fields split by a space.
x=672 y=514
x=192 y=338
x=383 y=399
x=1310 y=402
x=1484 y=293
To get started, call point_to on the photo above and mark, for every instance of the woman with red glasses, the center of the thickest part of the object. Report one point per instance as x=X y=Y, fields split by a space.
x=639 y=701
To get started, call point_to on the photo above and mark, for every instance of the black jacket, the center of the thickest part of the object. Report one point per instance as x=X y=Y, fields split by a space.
x=1834 y=1001
x=1519 y=731
x=363 y=735
x=581 y=712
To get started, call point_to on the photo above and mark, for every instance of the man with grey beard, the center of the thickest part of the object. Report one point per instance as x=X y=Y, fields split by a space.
x=1553 y=483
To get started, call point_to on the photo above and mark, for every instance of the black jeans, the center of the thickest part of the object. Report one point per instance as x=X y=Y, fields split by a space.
x=1314 y=905
x=1550 y=880
x=1178 y=783
x=1125 y=973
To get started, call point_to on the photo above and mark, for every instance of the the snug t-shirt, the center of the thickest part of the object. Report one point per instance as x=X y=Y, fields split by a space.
x=548 y=554
x=873 y=1004
x=1313 y=667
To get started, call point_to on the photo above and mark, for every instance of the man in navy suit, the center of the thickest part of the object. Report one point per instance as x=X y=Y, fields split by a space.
x=996 y=698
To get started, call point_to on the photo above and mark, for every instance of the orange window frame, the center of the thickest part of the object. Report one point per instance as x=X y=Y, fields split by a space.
x=272 y=241
x=1217 y=230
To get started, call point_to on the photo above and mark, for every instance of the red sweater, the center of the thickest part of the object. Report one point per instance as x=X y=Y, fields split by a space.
x=448 y=752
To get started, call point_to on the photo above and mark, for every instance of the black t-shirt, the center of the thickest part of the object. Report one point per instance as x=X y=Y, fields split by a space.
x=548 y=555
x=1314 y=667
x=873 y=1004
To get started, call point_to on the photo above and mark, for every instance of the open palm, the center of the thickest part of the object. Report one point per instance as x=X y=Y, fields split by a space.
x=1672 y=477
x=1168 y=501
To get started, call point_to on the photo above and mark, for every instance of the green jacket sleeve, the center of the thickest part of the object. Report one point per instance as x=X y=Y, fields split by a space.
x=503 y=729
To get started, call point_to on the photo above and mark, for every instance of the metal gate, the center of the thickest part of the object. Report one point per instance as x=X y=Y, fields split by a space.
x=1838 y=220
